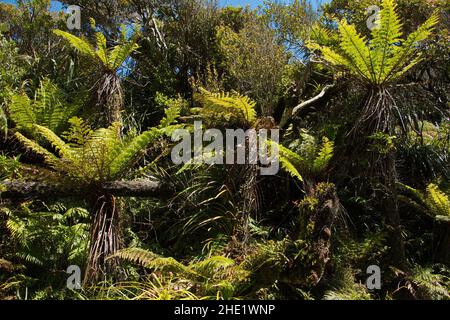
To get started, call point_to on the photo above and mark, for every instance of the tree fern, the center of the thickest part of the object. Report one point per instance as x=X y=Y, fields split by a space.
x=110 y=58
x=387 y=56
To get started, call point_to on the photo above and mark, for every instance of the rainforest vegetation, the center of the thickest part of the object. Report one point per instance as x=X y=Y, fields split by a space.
x=361 y=102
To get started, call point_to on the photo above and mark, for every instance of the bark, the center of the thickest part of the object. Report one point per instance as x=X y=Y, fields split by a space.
x=393 y=221
x=313 y=100
x=17 y=190
x=106 y=239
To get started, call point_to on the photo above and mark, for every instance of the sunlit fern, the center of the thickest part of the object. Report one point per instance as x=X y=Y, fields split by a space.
x=48 y=108
x=226 y=106
x=111 y=58
x=386 y=57
x=306 y=156
x=94 y=156
x=432 y=202
x=216 y=277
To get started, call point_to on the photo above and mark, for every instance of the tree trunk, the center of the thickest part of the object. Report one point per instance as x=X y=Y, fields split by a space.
x=377 y=116
x=105 y=238
x=393 y=222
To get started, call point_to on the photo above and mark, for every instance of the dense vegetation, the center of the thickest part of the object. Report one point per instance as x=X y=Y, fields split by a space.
x=87 y=179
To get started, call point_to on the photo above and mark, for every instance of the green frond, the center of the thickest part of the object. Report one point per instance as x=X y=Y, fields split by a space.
x=289 y=160
x=54 y=140
x=46 y=109
x=36 y=148
x=102 y=49
x=227 y=105
x=325 y=154
x=131 y=150
x=21 y=112
x=172 y=113
x=79 y=44
x=332 y=56
x=404 y=54
x=79 y=131
x=212 y=265
x=150 y=260
x=432 y=202
x=118 y=55
x=438 y=201
x=355 y=46
x=29 y=258
x=385 y=38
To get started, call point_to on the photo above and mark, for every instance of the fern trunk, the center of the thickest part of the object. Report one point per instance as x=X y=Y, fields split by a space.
x=393 y=221
x=378 y=116
x=105 y=238
x=318 y=212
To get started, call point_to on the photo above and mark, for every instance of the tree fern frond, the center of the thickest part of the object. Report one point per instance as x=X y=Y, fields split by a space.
x=408 y=48
x=172 y=113
x=55 y=141
x=79 y=44
x=130 y=151
x=228 y=105
x=102 y=49
x=120 y=53
x=27 y=257
x=36 y=148
x=438 y=201
x=289 y=160
x=385 y=37
x=212 y=265
x=332 y=56
x=150 y=260
x=21 y=112
x=325 y=154
x=355 y=46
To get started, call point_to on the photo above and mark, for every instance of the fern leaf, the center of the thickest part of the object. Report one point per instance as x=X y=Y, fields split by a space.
x=325 y=155
x=55 y=141
x=385 y=38
x=150 y=260
x=119 y=54
x=289 y=160
x=102 y=50
x=36 y=148
x=79 y=44
x=228 y=105
x=395 y=65
x=355 y=47
x=131 y=150
x=21 y=112
x=438 y=201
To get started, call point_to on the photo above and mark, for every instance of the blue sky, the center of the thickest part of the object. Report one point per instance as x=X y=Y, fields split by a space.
x=252 y=3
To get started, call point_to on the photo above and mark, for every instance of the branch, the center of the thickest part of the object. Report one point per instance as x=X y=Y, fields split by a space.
x=17 y=190
x=311 y=101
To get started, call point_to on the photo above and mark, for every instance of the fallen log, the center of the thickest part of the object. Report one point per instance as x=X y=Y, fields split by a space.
x=17 y=190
